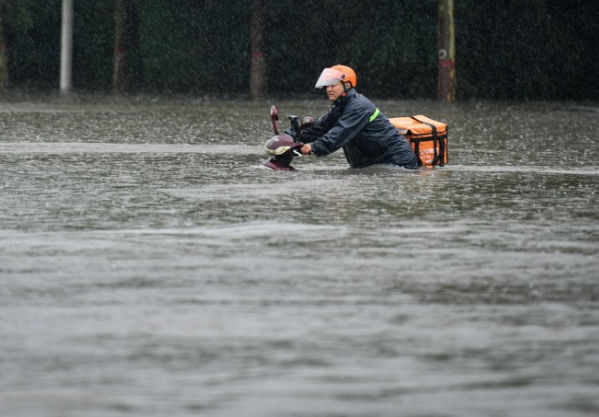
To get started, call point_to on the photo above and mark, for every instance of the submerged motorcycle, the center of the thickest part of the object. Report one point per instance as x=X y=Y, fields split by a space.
x=283 y=147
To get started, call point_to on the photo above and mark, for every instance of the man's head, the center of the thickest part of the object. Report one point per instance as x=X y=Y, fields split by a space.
x=337 y=80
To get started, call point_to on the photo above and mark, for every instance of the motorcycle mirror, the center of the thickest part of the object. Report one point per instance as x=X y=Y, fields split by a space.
x=308 y=121
x=274 y=115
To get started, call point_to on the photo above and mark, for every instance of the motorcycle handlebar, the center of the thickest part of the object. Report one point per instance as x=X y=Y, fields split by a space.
x=294 y=121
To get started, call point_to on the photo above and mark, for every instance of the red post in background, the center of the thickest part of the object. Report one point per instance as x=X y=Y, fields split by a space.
x=446 y=45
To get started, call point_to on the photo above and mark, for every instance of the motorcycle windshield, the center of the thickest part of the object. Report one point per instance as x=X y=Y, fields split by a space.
x=329 y=76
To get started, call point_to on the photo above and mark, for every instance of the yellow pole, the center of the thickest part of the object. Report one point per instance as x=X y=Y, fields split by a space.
x=446 y=45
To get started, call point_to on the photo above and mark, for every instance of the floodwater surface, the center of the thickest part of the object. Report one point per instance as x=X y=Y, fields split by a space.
x=149 y=266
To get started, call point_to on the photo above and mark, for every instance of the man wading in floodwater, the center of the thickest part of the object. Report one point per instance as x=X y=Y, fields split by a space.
x=356 y=125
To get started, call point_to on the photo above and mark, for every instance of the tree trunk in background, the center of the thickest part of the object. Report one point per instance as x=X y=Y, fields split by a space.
x=3 y=48
x=446 y=45
x=258 y=53
x=126 y=75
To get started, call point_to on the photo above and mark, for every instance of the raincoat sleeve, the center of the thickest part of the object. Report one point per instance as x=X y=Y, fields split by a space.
x=353 y=119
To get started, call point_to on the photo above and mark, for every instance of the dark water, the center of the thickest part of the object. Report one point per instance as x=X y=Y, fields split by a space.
x=150 y=267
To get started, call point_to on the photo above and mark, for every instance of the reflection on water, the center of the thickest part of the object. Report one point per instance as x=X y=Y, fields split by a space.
x=150 y=266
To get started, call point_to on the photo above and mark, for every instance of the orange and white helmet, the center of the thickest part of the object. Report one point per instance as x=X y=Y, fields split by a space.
x=336 y=74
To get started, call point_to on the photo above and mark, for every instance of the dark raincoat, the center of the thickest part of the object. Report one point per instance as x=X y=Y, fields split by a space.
x=365 y=134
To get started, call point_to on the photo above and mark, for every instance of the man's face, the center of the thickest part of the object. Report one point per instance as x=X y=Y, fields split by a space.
x=334 y=91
